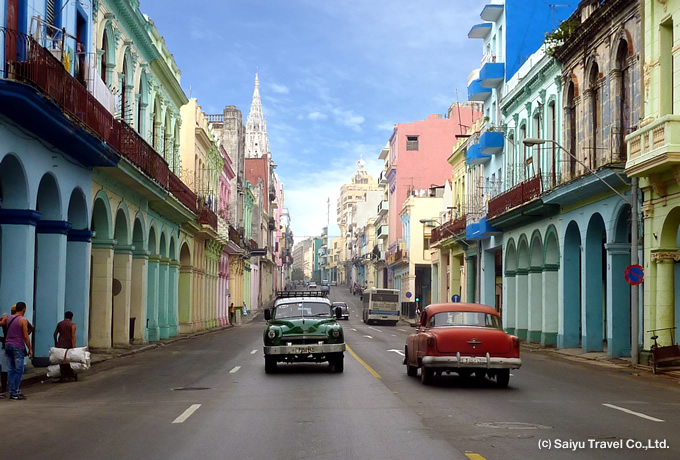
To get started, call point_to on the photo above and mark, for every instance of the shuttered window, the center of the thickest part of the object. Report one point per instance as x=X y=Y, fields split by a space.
x=50 y=12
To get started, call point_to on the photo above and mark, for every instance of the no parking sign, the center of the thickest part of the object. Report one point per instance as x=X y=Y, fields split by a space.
x=635 y=274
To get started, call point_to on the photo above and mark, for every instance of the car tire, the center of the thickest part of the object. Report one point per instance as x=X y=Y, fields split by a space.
x=269 y=365
x=480 y=376
x=338 y=363
x=411 y=371
x=426 y=375
x=503 y=377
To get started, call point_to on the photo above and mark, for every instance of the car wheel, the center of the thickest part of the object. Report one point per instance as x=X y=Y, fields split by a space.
x=503 y=377
x=480 y=376
x=411 y=371
x=338 y=363
x=426 y=375
x=269 y=364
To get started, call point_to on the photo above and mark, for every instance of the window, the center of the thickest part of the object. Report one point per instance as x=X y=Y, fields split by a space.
x=411 y=142
x=426 y=242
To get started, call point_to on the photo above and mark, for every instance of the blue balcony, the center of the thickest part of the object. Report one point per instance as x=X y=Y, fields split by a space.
x=492 y=74
x=492 y=12
x=491 y=142
x=476 y=92
x=480 y=230
x=480 y=30
x=475 y=156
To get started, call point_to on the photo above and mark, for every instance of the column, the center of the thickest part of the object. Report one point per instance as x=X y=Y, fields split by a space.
x=454 y=275
x=535 y=306
x=173 y=294
x=122 y=273
x=550 y=305
x=665 y=294
x=184 y=301
x=138 y=294
x=101 y=298
x=471 y=275
x=488 y=278
x=444 y=257
x=77 y=295
x=521 y=303
x=163 y=278
x=50 y=284
x=618 y=300
x=510 y=309
x=152 y=298
x=18 y=256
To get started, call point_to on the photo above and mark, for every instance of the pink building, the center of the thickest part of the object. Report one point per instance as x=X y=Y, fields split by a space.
x=419 y=153
x=223 y=219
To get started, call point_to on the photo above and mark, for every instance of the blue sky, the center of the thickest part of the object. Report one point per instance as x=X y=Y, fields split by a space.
x=335 y=75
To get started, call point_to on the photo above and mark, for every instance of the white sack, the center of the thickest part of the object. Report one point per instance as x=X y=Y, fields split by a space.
x=55 y=371
x=73 y=355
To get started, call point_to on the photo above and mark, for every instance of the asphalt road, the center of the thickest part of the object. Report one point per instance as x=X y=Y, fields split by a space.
x=209 y=398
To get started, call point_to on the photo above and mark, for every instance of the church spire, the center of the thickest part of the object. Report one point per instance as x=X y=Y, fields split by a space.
x=257 y=143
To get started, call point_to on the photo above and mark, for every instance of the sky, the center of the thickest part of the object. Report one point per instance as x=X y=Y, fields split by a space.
x=335 y=76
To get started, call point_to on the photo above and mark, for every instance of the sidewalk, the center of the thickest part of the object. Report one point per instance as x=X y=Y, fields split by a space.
x=33 y=375
x=595 y=357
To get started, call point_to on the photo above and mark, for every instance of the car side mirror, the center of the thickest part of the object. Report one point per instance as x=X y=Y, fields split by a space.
x=267 y=314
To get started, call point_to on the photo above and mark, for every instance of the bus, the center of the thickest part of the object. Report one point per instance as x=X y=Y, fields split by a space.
x=380 y=305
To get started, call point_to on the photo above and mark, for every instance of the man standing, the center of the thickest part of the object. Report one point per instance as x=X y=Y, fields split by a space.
x=65 y=337
x=232 y=314
x=3 y=359
x=16 y=339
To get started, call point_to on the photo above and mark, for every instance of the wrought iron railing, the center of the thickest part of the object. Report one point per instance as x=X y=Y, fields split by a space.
x=522 y=193
x=450 y=228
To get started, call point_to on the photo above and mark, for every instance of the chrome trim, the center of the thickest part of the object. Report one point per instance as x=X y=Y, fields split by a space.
x=477 y=362
x=304 y=349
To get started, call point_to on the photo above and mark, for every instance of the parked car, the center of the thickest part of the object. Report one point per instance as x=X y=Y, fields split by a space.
x=344 y=309
x=302 y=326
x=461 y=338
x=325 y=286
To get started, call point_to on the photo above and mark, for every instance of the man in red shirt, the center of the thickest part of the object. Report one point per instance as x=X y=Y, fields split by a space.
x=65 y=337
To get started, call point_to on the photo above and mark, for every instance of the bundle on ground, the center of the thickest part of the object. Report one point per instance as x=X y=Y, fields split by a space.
x=70 y=355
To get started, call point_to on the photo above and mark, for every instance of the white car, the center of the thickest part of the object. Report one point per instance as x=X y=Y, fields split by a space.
x=312 y=286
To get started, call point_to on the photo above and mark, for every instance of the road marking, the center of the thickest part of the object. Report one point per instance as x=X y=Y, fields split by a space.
x=402 y=330
x=628 y=411
x=374 y=328
x=473 y=456
x=368 y=336
x=394 y=335
x=369 y=368
x=354 y=329
x=187 y=413
x=399 y=352
x=235 y=370
x=253 y=352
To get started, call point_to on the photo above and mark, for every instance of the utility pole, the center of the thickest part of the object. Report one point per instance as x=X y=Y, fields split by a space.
x=634 y=289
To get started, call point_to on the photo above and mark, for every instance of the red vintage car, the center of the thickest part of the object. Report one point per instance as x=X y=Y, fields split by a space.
x=462 y=338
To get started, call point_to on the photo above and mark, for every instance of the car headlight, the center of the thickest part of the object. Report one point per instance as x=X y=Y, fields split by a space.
x=335 y=333
x=271 y=334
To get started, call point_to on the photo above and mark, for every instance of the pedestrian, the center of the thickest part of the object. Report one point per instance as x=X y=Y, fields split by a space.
x=3 y=359
x=15 y=341
x=232 y=313
x=65 y=337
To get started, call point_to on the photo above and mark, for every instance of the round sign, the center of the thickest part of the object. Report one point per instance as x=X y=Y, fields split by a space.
x=408 y=294
x=635 y=274
x=455 y=298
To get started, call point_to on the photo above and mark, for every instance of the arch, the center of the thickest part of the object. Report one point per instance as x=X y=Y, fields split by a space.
x=108 y=57
x=138 y=233
x=13 y=183
x=77 y=209
x=153 y=240
x=595 y=284
x=185 y=254
x=510 y=255
x=121 y=230
x=572 y=287
x=551 y=248
x=570 y=122
x=536 y=249
x=184 y=299
x=669 y=229
x=101 y=217
x=142 y=104
x=127 y=85
x=168 y=142
x=523 y=252
x=163 y=245
x=155 y=134
x=48 y=202
x=172 y=254
x=522 y=289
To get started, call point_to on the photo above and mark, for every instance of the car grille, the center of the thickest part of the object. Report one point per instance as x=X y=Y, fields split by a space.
x=307 y=340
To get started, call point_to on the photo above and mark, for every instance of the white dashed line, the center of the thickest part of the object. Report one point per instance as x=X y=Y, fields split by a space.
x=399 y=352
x=394 y=335
x=253 y=352
x=235 y=370
x=375 y=329
x=354 y=329
x=368 y=336
x=402 y=330
x=628 y=411
x=187 y=413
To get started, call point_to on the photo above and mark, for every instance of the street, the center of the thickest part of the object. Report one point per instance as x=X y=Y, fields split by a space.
x=209 y=398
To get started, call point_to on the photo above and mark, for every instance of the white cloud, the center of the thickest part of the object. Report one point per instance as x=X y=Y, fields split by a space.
x=279 y=89
x=348 y=118
x=387 y=126
x=315 y=116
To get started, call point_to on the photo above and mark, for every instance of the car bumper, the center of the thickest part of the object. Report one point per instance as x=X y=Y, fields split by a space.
x=305 y=349
x=477 y=362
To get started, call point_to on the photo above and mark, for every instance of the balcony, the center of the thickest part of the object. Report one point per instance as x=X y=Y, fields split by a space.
x=654 y=148
x=272 y=224
x=382 y=179
x=381 y=232
x=182 y=192
x=522 y=193
x=492 y=74
x=449 y=229
x=383 y=207
x=474 y=155
x=207 y=217
x=476 y=92
x=480 y=30
x=491 y=142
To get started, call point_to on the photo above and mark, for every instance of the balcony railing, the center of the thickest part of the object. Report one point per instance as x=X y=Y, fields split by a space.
x=451 y=228
x=516 y=196
x=27 y=61
x=208 y=217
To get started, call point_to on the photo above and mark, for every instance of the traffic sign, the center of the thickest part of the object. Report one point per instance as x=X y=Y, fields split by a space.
x=408 y=294
x=455 y=298
x=635 y=274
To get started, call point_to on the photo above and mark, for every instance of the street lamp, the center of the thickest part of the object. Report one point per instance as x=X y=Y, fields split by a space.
x=632 y=200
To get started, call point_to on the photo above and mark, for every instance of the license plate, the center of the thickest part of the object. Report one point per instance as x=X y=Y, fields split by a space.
x=303 y=350
x=472 y=360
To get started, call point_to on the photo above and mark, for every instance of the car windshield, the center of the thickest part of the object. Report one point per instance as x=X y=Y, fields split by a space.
x=300 y=309
x=464 y=318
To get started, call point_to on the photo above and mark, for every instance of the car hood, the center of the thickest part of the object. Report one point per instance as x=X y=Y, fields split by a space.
x=475 y=341
x=305 y=326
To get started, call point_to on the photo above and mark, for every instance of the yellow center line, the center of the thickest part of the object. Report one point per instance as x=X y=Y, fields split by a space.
x=473 y=456
x=370 y=369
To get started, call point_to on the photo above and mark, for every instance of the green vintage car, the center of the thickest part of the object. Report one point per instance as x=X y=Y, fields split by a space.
x=302 y=327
